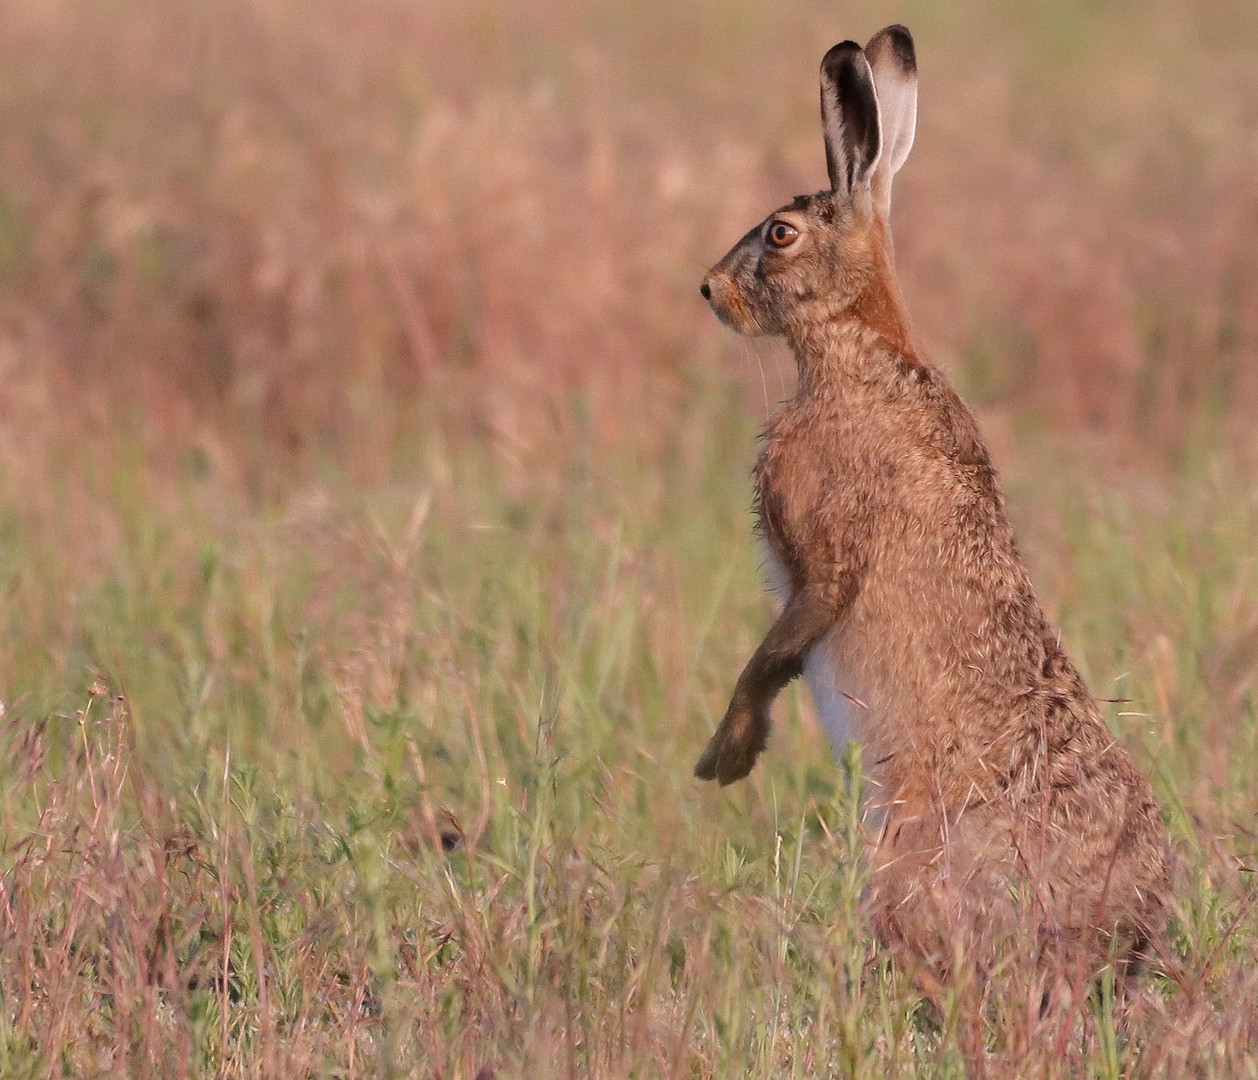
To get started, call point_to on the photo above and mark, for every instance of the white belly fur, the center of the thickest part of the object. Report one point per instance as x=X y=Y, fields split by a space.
x=825 y=682
x=836 y=713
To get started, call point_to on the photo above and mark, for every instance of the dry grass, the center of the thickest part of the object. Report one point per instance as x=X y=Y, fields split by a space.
x=372 y=481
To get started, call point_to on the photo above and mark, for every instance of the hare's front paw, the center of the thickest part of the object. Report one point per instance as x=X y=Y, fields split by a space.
x=735 y=745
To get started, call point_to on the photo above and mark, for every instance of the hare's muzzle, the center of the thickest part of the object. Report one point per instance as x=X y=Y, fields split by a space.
x=729 y=302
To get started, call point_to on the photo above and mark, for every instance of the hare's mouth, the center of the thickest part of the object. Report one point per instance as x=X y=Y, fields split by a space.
x=729 y=304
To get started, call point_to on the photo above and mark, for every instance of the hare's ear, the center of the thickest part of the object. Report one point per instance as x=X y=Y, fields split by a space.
x=849 y=117
x=893 y=62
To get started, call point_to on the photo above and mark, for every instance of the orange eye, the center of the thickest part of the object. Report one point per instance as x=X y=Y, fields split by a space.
x=782 y=234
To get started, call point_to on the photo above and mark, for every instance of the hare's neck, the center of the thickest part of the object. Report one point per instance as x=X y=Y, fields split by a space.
x=879 y=305
x=868 y=320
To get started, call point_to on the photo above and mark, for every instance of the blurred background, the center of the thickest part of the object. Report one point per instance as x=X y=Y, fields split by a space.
x=253 y=236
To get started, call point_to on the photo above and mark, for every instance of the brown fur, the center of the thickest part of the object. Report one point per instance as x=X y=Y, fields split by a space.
x=1008 y=808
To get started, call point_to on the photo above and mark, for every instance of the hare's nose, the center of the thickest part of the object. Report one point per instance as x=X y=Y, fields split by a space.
x=705 y=290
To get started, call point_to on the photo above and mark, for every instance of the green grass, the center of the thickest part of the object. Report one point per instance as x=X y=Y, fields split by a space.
x=239 y=733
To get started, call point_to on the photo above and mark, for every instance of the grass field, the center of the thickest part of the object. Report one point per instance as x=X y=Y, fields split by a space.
x=374 y=539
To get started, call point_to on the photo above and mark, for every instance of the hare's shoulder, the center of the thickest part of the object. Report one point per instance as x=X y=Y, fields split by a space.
x=929 y=441
x=898 y=429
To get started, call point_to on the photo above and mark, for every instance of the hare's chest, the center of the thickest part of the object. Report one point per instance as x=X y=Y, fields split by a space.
x=811 y=492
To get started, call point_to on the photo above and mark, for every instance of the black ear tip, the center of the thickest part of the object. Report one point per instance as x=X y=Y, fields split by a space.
x=897 y=38
x=838 y=55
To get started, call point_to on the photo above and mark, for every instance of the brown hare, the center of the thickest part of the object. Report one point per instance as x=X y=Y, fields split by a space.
x=1008 y=810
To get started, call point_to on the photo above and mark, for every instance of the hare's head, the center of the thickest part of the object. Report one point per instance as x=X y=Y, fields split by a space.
x=809 y=261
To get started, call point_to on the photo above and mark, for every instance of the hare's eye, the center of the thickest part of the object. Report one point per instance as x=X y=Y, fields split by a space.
x=781 y=234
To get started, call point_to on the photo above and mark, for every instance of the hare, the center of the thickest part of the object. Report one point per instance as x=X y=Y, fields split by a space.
x=1006 y=805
